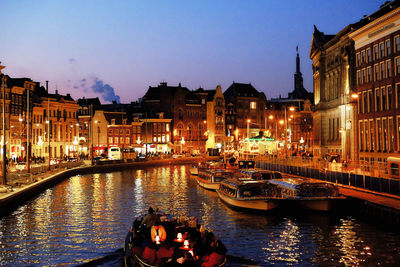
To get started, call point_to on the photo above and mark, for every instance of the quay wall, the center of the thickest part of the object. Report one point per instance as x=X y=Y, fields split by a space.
x=19 y=195
x=377 y=187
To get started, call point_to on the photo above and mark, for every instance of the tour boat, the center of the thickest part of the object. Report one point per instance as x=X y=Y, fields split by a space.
x=194 y=169
x=309 y=194
x=172 y=241
x=249 y=194
x=211 y=178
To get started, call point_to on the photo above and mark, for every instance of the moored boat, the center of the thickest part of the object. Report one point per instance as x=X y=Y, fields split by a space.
x=249 y=194
x=309 y=194
x=172 y=241
x=211 y=178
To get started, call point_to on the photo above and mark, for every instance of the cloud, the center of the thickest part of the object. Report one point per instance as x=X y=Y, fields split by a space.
x=106 y=91
x=91 y=85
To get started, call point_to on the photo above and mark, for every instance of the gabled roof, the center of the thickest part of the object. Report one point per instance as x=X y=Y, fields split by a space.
x=318 y=40
x=89 y=101
x=156 y=93
x=58 y=97
x=118 y=116
x=20 y=82
x=241 y=89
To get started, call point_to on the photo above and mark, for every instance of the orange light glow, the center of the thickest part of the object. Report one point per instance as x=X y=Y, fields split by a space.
x=354 y=96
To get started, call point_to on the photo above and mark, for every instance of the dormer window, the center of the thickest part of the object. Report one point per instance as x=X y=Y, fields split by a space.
x=113 y=121
x=124 y=121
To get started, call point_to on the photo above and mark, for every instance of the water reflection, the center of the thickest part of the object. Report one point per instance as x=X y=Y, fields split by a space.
x=86 y=217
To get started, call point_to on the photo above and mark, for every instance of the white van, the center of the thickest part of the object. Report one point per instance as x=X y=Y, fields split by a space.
x=114 y=153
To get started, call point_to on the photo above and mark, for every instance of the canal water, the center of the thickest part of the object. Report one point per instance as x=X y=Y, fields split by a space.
x=85 y=219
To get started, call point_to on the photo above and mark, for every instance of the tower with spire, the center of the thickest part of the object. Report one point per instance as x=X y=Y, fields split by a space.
x=299 y=91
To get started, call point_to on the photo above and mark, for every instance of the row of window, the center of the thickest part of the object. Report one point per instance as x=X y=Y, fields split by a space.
x=381 y=71
x=379 y=99
x=57 y=134
x=378 y=135
x=332 y=84
x=381 y=50
x=127 y=140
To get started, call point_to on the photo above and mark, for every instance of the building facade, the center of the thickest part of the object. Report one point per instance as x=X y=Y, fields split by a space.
x=377 y=63
x=186 y=108
x=244 y=110
x=215 y=123
x=333 y=79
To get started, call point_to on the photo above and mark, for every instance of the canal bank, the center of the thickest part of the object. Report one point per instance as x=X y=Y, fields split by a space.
x=19 y=193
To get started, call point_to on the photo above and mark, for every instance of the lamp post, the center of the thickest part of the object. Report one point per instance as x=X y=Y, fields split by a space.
x=248 y=128
x=4 y=178
x=205 y=140
x=182 y=143
x=48 y=121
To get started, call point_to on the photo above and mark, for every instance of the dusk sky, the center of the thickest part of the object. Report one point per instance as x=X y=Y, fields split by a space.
x=117 y=49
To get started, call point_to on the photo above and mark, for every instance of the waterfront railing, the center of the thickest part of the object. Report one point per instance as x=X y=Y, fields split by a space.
x=374 y=177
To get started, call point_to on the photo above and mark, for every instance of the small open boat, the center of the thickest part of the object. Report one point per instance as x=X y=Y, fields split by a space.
x=248 y=194
x=211 y=178
x=308 y=194
x=172 y=241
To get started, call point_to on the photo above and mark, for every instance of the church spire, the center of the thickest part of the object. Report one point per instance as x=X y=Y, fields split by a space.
x=297 y=60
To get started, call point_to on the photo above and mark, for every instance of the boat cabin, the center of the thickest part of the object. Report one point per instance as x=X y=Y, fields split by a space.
x=261 y=174
x=245 y=188
x=298 y=188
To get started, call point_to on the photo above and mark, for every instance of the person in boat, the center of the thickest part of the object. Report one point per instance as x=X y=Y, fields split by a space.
x=150 y=219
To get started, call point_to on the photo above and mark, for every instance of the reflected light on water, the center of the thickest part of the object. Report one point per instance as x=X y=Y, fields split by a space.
x=87 y=217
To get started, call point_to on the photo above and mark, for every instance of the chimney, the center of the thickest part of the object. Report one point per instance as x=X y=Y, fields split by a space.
x=56 y=92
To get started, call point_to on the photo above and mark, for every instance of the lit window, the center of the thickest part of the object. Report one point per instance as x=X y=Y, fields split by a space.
x=110 y=140
x=253 y=105
x=167 y=127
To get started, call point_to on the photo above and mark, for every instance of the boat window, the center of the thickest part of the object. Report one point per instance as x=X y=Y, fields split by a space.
x=228 y=190
x=394 y=169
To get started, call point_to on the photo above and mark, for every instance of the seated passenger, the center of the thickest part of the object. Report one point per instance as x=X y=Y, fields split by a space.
x=150 y=219
x=149 y=253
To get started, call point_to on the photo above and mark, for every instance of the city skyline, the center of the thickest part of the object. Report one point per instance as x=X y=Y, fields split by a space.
x=116 y=51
